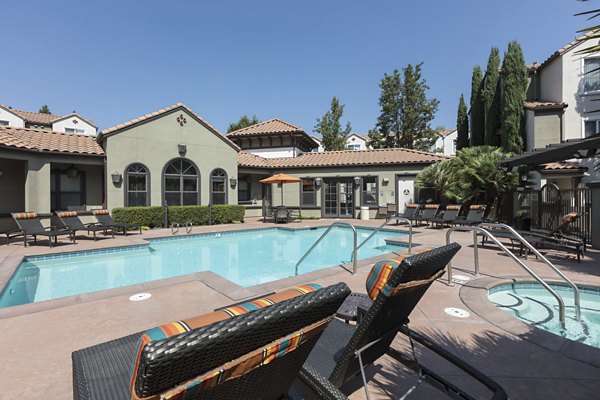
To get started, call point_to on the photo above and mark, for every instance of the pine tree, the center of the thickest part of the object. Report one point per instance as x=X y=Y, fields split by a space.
x=514 y=87
x=388 y=123
x=330 y=127
x=477 y=119
x=243 y=122
x=44 y=109
x=462 y=125
x=491 y=95
x=416 y=112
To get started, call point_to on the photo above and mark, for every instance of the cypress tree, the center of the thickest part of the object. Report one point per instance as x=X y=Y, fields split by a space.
x=491 y=94
x=330 y=127
x=462 y=125
x=477 y=110
x=514 y=85
x=388 y=123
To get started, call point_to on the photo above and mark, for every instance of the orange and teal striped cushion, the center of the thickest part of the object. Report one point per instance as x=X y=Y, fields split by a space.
x=66 y=214
x=25 y=215
x=238 y=367
x=570 y=217
x=453 y=207
x=411 y=205
x=432 y=205
x=100 y=212
x=477 y=207
x=177 y=327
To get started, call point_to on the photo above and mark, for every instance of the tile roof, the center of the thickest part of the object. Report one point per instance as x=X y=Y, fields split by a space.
x=271 y=127
x=40 y=140
x=544 y=105
x=562 y=165
x=393 y=156
x=147 y=117
x=564 y=49
x=33 y=117
x=445 y=132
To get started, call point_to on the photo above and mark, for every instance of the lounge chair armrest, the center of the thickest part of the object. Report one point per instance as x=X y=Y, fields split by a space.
x=94 y=224
x=321 y=387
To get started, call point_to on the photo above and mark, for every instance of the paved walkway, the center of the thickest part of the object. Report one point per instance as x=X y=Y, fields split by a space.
x=35 y=346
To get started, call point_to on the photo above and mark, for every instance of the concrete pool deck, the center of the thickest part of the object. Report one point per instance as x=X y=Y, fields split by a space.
x=35 y=347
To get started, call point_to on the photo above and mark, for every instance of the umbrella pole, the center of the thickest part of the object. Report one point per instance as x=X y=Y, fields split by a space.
x=282 y=194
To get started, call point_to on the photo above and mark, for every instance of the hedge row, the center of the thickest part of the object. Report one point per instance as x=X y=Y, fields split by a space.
x=197 y=215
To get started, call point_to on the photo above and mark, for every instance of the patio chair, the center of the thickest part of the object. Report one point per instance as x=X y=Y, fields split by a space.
x=473 y=217
x=104 y=219
x=250 y=350
x=282 y=214
x=429 y=211
x=71 y=220
x=449 y=215
x=344 y=350
x=11 y=230
x=30 y=224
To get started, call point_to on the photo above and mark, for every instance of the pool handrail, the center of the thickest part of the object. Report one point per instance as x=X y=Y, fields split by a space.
x=188 y=228
x=387 y=221
x=517 y=235
x=475 y=229
x=174 y=228
x=354 y=265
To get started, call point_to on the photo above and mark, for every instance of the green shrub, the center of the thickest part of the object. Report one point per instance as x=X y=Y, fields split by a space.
x=197 y=215
x=145 y=216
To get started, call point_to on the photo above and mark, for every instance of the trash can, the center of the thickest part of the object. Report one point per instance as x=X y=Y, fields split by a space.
x=364 y=213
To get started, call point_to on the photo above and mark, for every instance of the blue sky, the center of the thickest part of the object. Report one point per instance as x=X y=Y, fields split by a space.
x=112 y=61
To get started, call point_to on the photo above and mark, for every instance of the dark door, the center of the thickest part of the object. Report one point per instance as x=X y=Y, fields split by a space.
x=338 y=198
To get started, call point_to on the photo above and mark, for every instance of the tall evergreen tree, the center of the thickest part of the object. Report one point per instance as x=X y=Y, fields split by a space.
x=477 y=112
x=243 y=122
x=462 y=125
x=416 y=112
x=44 y=109
x=388 y=122
x=514 y=87
x=330 y=127
x=491 y=95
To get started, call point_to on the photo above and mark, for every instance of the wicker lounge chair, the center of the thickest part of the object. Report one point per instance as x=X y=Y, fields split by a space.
x=71 y=220
x=30 y=224
x=429 y=211
x=450 y=214
x=336 y=354
x=473 y=217
x=104 y=219
x=247 y=351
x=282 y=214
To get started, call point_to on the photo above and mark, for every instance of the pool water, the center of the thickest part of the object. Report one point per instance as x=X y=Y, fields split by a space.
x=246 y=257
x=533 y=304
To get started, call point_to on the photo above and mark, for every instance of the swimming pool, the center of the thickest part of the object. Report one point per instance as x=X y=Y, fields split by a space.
x=247 y=258
x=533 y=304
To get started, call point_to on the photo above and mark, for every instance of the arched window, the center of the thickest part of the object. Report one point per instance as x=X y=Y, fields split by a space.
x=136 y=186
x=218 y=187
x=180 y=183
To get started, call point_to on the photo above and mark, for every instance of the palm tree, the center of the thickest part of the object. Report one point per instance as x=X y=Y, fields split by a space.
x=437 y=176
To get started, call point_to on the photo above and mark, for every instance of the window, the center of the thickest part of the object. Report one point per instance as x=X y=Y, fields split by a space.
x=180 y=183
x=591 y=74
x=4 y=123
x=591 y=127
x=244 y=189
x=454 y=146
x=218 y=187
x=136 y=186
x=369 y=191
x=354 y=147
x=74 y=130
x=67 y=192
x=308 y=193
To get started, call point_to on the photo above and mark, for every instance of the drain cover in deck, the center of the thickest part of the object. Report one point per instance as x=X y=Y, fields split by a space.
x=140 y=297
x=457 y=312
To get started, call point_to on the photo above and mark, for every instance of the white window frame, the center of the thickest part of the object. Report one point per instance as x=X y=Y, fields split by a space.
x=4 y=122
x=582 y=82
x=592 y=118
x=76 y=131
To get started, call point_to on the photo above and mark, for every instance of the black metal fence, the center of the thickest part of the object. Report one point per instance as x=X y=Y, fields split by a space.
x=547 y=206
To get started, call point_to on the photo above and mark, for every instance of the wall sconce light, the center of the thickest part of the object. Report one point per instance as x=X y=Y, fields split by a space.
x=233 y=182
x=182 y=148
x=116 y=177
x=72 y=172
x=357 y=180
x=318 y=181
x=385 y=181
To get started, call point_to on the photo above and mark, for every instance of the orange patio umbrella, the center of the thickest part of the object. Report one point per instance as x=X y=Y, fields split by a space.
x=281 y=179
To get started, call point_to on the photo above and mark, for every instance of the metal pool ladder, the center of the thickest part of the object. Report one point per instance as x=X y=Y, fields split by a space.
x=387 y=221
x=521 y=239
x=325 y=234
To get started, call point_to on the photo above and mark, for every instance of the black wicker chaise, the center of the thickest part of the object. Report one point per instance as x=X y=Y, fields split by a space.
x=104 y=219
x=30 y=224
x=253 y=350
x=71 y=220
x=344 y=350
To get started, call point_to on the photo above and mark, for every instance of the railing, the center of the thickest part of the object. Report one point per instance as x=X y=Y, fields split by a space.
x=321 y=238
x=576 y=295
x=188 y=228
x=174 y=229
x=475 y=229
x=387 y=221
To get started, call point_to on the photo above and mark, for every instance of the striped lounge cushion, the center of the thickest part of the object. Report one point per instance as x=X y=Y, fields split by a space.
x=381 y=271
x=66 y=214
x=432 y=205
x=25 y=215
x=569 y=217
x=100 y=212
x=453 y=207
x=177 y=327
x=246 y=363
